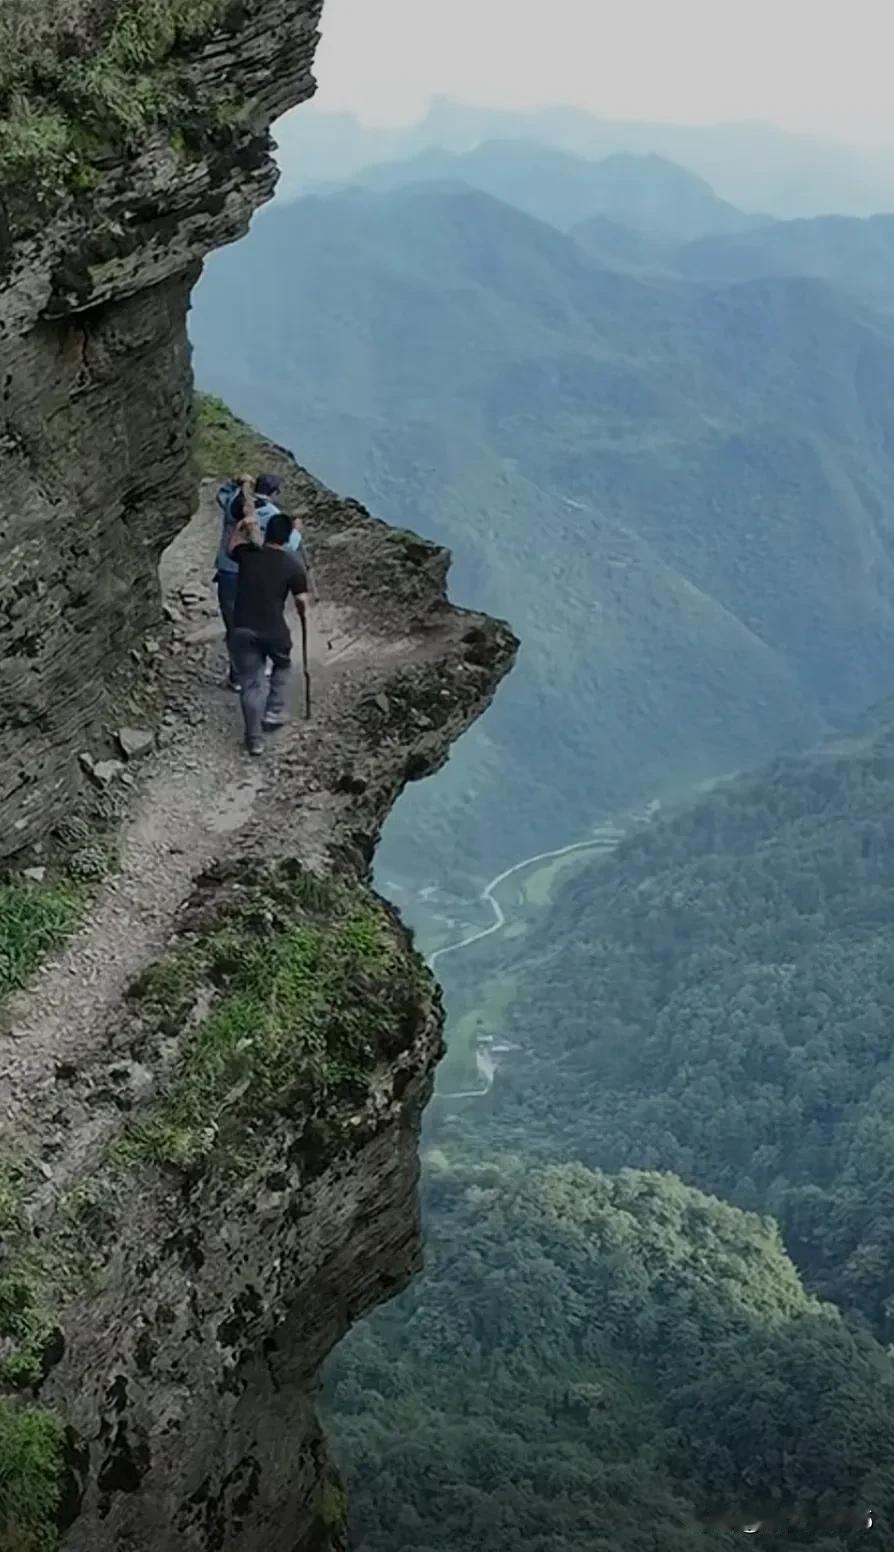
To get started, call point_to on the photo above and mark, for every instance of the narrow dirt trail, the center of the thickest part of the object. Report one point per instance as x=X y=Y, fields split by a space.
x=194 y=795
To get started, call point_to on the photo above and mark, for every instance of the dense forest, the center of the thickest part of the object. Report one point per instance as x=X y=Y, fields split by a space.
x=606 y=1365
x=716 y=998
x=598 y=1357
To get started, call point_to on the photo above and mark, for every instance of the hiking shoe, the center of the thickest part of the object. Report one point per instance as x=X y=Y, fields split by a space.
x=271 y=724
x=235 y=686
x=255 y=746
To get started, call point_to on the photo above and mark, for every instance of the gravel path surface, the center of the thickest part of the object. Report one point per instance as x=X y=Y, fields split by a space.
x=194 y=797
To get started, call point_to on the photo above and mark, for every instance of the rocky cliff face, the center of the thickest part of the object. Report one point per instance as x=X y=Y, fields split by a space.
x=96 y=269
x=210 y=1096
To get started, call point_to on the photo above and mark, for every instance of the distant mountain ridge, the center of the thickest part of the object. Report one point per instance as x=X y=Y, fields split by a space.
x=647 y=194
x=857 y=255
x=754 y=166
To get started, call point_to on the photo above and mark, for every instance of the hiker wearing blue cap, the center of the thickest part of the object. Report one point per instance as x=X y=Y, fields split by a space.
x=231 y=500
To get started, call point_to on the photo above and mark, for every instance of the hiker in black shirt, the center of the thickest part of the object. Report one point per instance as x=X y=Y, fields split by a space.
x=268 y=573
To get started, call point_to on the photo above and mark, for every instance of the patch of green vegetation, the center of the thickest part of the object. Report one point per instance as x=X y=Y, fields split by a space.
x=308 y=981
x=26 y=1329
x=493 y=996
x=34 y=920
x=32 y=1443
x=36 y=916
x=69 y=94
x=540 y=884
x=226 y=445
x=92 y=862
x=29 y=1273
x=7 y=1200
x=332 y=1510
x=39 y=1273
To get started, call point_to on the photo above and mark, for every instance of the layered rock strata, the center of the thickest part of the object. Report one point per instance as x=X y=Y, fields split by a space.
x=95 y=281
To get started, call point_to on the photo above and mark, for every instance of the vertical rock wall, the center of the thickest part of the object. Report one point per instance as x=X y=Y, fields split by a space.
x=95 y=472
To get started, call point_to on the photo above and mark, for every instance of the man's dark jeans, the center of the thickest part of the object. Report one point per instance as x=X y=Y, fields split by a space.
x=227 y=583
x=250 y=653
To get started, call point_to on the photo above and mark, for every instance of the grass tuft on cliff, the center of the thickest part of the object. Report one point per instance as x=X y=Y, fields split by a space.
x=309 y=985
x=31 y=1468
x=71 y=90
x=37 y=915
x=224 y=444
x=34 y=920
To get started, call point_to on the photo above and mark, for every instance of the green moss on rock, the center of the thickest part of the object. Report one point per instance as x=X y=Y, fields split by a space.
x=332 y=1509
x=34 y=919
x=227 y=446
x=32 y=1437
x=36 y=916
x=72 y=88
x=32 y=1465
x=305 y=976
x=284 y=1005
x=26 y=1330
x=37 y=1275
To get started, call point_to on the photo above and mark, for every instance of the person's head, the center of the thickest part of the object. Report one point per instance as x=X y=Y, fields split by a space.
x=279 y=529
x=267 y=485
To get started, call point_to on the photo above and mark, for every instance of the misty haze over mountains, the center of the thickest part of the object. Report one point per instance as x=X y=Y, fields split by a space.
x=755 y=166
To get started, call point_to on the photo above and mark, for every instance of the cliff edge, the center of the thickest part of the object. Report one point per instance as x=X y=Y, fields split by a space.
x=216 y=1041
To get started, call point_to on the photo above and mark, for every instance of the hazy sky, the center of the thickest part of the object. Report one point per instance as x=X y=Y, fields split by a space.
x=821 y=65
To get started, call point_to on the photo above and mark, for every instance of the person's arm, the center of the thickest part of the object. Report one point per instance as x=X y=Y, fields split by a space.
x=246 y=528
x=238 y=540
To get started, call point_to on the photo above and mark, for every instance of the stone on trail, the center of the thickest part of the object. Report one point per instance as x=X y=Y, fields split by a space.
x=105 y=771
x=135 y=741
x=35 y=875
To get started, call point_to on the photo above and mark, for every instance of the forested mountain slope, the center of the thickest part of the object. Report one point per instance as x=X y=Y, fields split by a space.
x=717 y=998
x=595 y=1364
x=679 y=495
x=856 y=255
x=618 y=247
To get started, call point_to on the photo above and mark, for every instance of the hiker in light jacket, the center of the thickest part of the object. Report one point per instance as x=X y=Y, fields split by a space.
x=231 y=500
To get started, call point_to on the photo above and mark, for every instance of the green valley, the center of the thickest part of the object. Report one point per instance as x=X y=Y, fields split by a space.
x=598 y=1357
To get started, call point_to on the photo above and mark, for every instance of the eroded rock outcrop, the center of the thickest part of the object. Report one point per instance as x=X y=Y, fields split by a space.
x=210 y=1101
